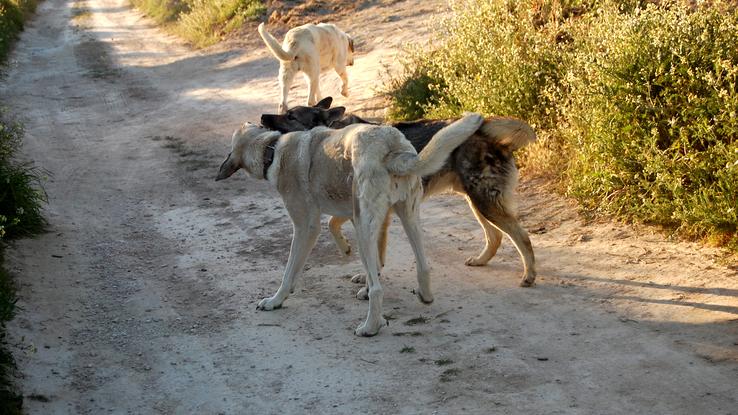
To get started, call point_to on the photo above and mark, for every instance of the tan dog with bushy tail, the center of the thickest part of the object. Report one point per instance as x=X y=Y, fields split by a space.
x=311 y=49
x=361 y=172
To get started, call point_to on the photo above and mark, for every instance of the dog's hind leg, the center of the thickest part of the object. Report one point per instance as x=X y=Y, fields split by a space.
x=409 y=215
x=306 y=230
x=312 y=75
x=507 y=223
x=360 y=278
x=286 y=77
x=334 y=225
x=492 y=237
x=368 y=224
x=382 y=241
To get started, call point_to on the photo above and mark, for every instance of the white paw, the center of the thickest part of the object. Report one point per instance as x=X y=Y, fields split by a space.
x=359 y=279
x=425 y=298
x=363 y=294
x=474 y=261
x=367 y=329
x=268 y=304
x=344 y=92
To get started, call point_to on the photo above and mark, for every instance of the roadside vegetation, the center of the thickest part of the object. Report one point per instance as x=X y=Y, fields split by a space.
x=635 y=102
x=21 y=199
x=12 y=15
x=201 y=22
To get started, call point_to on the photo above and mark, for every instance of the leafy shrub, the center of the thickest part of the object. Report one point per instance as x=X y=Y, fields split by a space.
x=634 y=102
x=12 y=15
x=21 y=196
x=495 y=57
x=162 y=11
x=653 y=118
x=202 y=22
x=11 y=401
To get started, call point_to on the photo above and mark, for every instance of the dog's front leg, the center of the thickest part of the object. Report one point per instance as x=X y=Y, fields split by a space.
x=334 y=224
x=341 y=71
x=306 y=231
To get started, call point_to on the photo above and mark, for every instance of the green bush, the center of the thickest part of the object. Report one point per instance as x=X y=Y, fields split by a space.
x=21 y=199
x=162 y=11
x=634 y=102
x=495 y=57
x=11 y=402
x=653 y=118
x=12 y=15
x=202 y=22
x=21 y=195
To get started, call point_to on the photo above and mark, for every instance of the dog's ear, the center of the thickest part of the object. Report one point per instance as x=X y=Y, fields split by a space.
x=334 y=114
x=228 y=167
x=324 y=103
x=269 y=121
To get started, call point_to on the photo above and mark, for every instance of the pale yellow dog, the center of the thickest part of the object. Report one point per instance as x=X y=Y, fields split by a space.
x=310 y=49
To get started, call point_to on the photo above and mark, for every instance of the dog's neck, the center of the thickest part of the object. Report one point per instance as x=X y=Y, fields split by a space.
x=269 y=155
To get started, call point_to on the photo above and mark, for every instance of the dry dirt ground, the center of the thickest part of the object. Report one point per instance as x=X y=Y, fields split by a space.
x=141 y=297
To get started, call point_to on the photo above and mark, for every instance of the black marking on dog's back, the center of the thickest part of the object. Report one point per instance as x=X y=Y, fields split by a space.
x=420 y=132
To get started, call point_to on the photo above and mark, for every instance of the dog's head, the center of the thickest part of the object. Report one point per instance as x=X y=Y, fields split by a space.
x=247 y=151
x=304 y=118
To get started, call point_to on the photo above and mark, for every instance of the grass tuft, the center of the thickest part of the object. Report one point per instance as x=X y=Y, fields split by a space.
x=202 y=22
x=21 y=199
x=12 y=15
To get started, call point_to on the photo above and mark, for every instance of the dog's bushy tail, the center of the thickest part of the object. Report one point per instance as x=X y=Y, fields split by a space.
x=506 y=131
x=274 y=45
x=434 y=155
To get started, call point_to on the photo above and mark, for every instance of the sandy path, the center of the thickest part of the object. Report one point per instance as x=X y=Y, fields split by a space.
x=141 y=297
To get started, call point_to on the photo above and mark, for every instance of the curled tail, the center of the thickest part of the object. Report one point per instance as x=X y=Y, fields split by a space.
x=506 y=131
x=434 y=155
x=274 y=45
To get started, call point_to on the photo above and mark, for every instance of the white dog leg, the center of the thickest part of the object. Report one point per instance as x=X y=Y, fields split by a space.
x=286 y=77
x=313 y=78
x=360 y=278
x=306 y=231
x=341 y=71
x=409 y=214
x=492 y=237
x=367 y=234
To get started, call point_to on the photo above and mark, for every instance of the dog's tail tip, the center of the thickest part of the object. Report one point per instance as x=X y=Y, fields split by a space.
x=508 y=131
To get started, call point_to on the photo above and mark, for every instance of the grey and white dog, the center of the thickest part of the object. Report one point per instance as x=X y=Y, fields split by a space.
x=359 y=172
x=482 y=169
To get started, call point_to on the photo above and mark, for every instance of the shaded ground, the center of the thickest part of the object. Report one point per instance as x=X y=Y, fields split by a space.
x=142 y=296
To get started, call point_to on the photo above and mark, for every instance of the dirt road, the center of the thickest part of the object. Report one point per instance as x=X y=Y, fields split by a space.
x=141 y=298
